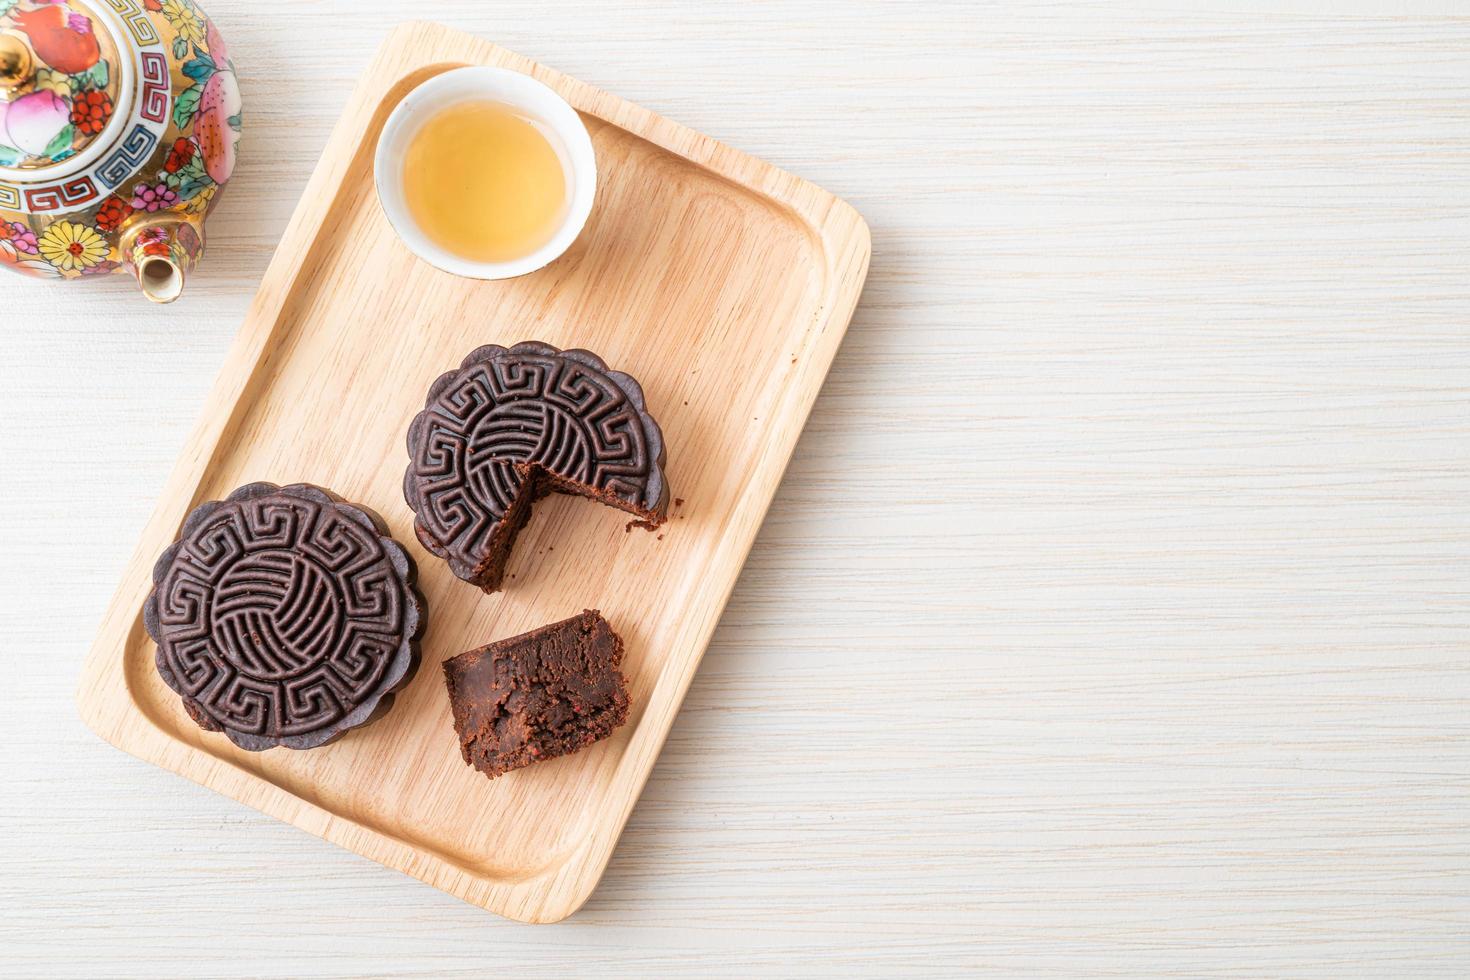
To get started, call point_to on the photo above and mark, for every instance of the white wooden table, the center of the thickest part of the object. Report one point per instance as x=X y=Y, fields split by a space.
x=1114 y=615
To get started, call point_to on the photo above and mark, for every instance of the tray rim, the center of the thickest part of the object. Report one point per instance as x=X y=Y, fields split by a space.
x=109 y=708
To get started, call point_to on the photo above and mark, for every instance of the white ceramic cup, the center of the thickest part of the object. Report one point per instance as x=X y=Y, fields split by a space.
x=559 y=122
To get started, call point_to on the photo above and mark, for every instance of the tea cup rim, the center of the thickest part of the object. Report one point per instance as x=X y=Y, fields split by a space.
x=521 y=92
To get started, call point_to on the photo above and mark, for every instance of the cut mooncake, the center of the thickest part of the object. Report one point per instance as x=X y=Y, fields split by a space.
x=511 y=425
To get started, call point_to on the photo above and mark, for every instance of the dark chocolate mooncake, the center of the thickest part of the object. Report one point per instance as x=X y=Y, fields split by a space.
x=546 y=693
x=513 y=424
x=284 y=616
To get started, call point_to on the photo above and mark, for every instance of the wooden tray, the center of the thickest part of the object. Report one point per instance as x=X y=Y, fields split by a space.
x=720 y=282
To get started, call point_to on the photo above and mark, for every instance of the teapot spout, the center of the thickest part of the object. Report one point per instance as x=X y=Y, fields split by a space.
x=162 y=250
x=160 y=278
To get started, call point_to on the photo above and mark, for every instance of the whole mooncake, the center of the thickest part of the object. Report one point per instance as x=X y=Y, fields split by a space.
x=284 y=616
x=514 y=424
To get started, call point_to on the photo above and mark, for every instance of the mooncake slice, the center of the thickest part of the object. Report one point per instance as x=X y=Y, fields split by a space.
x=543 y=694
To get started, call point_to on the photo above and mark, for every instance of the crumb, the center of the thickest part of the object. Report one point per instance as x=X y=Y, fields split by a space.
x=660 y=537
x=793 y=358
x=646 y=525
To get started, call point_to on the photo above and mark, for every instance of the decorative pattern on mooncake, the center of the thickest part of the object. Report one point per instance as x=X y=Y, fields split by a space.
x=284 y=616
x=512 y=424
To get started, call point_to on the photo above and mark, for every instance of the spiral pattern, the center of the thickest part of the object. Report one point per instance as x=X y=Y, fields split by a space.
x=505 y=408
x=282 y=616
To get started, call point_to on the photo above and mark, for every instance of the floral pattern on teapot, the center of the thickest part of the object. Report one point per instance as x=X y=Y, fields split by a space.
x=171 y=156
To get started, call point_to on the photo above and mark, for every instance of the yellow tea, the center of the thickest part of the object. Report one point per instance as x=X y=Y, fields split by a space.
x=483 y=182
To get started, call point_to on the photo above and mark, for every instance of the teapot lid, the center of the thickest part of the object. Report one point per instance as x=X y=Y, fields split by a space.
x=65 y=89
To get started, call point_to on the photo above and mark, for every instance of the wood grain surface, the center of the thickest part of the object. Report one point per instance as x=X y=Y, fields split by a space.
x=1112 y=617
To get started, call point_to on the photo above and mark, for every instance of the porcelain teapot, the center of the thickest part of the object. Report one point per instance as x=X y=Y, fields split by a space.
x=119 y=121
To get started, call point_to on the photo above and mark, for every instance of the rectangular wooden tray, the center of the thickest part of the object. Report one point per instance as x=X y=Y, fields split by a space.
x=722 y=283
